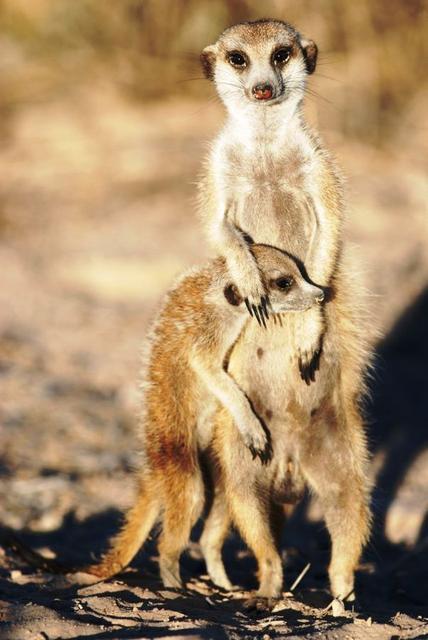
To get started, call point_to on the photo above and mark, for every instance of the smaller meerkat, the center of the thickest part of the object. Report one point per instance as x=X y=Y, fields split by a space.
x=186 y=380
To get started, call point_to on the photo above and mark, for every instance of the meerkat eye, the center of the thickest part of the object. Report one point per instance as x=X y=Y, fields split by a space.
x=281 y=56
x=237 y=59
x=284 y=282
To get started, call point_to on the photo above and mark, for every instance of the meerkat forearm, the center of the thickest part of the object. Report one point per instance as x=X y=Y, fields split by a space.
x=230 y=242
x=227 y=392
x=323 y=254
x=242 y=266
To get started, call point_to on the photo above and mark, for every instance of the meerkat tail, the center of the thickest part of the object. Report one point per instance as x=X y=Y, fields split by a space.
x=124 y=546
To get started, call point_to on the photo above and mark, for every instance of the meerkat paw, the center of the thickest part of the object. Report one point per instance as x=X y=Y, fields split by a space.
x=170 y=574
x=215 y=569
x=258 y=309
x=253 y=293
x=309 y=364
x=222 y=581
x=342 y=587
x=259 y=445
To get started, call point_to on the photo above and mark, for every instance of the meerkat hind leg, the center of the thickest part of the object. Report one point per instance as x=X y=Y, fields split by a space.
x=341 y=486
x=215 y=531
x=254 y=522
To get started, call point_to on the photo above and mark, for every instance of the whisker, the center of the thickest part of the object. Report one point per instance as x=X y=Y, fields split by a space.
x=324 y=63
x=190 y=79
x=321 y=75
x=315 y=94
x=207 y=104
x=309 y=91
x=230 y=84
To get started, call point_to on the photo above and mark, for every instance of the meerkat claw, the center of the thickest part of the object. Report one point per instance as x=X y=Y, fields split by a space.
x=265 y=303
x=266 y=456
x=253 y=451
x=256 y=314
x=304 y=372
x=308 y=368
x=247 y=304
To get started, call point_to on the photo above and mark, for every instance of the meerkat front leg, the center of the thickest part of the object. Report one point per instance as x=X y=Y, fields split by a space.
x=224 y=388
x=242 y=265
x=320 y=262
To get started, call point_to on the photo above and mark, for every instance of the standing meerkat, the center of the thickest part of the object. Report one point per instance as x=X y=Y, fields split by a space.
x=269 y=179
x=185 y=380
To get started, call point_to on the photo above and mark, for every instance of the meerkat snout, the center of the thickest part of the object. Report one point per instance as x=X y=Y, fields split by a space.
x=263 y=91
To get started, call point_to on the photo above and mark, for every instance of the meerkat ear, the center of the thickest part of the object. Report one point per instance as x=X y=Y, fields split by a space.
x=207 y=57
x=232 y=295
x=310 y=54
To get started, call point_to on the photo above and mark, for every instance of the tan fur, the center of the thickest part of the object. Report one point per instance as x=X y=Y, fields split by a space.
x=268 y=177
x=185 y=382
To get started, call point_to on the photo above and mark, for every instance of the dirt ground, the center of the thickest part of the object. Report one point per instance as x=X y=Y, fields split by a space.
x=97 y=216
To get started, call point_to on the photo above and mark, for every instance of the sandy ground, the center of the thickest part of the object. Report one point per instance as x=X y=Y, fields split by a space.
x=96 y=218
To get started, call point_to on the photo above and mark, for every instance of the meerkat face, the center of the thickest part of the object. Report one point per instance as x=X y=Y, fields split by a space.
x=264 y=63
x=289 y=291
x=287 y=287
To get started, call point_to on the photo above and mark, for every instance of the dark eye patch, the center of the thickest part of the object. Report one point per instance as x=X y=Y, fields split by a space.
x=281 y=56
x=284 y=282
x=237 y=59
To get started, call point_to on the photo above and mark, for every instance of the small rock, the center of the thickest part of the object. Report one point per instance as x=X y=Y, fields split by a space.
x=280 y=606
x=16 y=575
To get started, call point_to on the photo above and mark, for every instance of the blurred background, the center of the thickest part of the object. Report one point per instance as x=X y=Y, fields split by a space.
x=104 y=122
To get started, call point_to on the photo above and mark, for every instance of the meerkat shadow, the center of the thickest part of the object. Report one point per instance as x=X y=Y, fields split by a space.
x=398 y=412
x=74 y=544
x=398 y=420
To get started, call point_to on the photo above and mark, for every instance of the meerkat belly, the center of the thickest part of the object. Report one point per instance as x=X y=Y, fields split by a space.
x=265 y=365
x=287 y=481
x=277 y=215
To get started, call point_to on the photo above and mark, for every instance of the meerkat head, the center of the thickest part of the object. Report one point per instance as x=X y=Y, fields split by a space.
x=263 y=63
x=288 y=287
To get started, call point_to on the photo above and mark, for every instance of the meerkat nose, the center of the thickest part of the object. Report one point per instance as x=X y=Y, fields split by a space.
x=263 y=91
